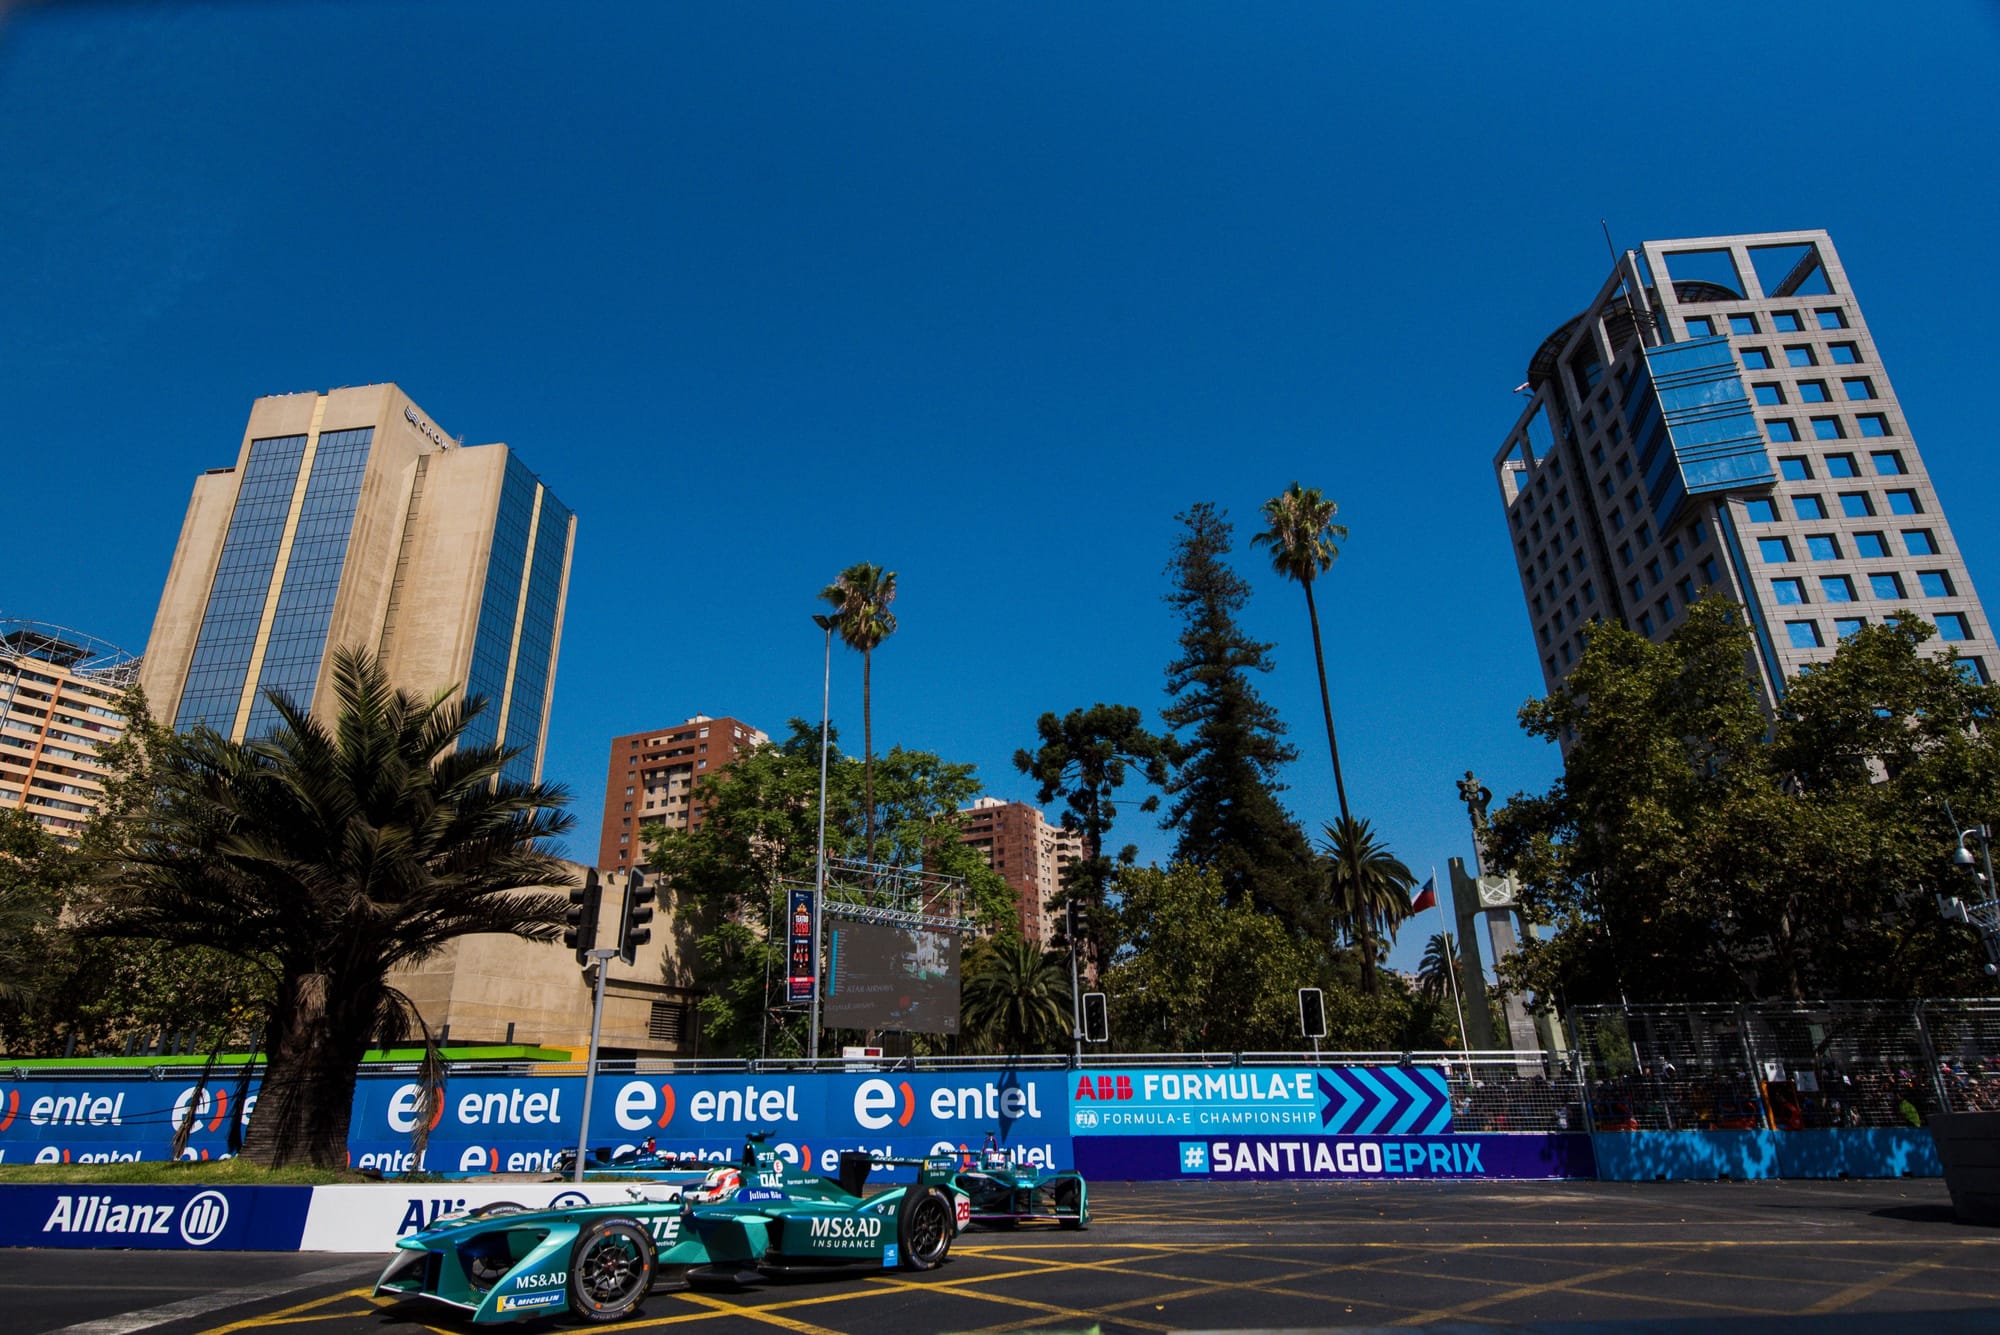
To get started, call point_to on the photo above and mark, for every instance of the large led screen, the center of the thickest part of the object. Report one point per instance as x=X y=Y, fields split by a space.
x=901 y=978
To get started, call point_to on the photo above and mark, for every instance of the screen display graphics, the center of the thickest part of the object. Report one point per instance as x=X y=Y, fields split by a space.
x=881 y=977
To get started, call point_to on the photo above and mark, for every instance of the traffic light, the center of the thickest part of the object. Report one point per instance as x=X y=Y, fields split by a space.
x=1312 y=1012
x=1096 y=1022
x=632 y=929
x=581 y=934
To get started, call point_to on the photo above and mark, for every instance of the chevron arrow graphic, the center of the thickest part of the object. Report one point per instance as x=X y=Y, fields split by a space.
x=1385 y=1101
x=1333 y=1087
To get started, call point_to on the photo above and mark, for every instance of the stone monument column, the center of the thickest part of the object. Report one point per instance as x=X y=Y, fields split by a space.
x=1494 y=898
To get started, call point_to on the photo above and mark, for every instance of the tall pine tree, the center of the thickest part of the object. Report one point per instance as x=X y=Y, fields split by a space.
x=1225 y=803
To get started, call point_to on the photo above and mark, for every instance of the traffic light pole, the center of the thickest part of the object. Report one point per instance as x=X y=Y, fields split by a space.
x=603 y=958
x=1075 y=987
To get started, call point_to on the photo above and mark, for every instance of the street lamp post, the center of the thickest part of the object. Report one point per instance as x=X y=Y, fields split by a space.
x=1984 y=914
x=825 y=623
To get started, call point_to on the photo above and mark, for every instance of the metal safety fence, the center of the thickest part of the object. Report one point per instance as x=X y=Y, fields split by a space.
x=1786 y=1066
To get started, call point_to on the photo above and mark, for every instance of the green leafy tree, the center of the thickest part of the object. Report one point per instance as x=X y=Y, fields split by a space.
x=1231 y=743
x=1085 y=757
x=1198 y=973
x=726 y=878
x=1301 y=534
x=1696 y=850
x=337 y=853
x=1370 y=890
x=860 y=598
x=36 y=876
x=1016 y=997
x=1436 y=972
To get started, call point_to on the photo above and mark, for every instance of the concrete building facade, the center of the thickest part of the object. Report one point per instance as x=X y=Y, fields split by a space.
x=1719 y=417
x=352 y=518
x=494 y=988
x=1029 y=852
x=59 y=697
x=654 y=778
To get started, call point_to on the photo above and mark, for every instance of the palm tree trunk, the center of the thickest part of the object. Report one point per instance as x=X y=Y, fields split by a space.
x=1368 y=963
x=868 y=748
x=1325 y=700
x=318 y=1035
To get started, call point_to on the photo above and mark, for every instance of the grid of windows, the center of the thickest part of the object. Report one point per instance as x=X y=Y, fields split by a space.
x=312 y=574
x=242 y=581
x=538 y=629
x=497 y=601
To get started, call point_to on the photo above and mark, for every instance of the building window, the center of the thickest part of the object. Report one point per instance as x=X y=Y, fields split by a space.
x=1904 y=503
x=1775 y=551
x=1666 y=606
x=1710 y=571
x=666 y=1022
x=1676 y=553
x=1742 y=324
x=1794 y=468
x=1888 y=463
x=1858 y=387
x=1624 y=553
x=1952 y=628
x=1828 y=428
x=1755 y=359
x=1781 y=430
x=1785 y=322
x=1856 y=505
x=1813 y=391
x=1768 y=394
x=1843 y=354
x=1653 y=572
x=1873 y=424
x=1700 y=326
x=1761 y=511
x=1638 y=590
x=1822 y=547
x=1686 y=586
x=1789 y=591
x=1809 y=507
x=1974 y=670
x=1846 y=626
x=1804 y=634
x=1870 y=545
x=1836 y=588
x=1841 y=465
x=1645 y=623
x=1887 y=587
x=1800 y=354
x=1934 y=583
x=1919 y=542
x=1832 y=318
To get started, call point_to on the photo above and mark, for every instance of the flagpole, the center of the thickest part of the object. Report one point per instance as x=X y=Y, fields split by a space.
x=1451 y=969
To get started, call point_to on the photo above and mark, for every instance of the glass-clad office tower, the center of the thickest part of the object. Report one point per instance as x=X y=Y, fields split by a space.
x=350 y=518
x=1719 y=417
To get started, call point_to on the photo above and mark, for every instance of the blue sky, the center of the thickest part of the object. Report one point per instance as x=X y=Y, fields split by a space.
x=985 y=294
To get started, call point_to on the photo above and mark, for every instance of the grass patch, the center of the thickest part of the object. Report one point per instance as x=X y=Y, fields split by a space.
x=163 y=1173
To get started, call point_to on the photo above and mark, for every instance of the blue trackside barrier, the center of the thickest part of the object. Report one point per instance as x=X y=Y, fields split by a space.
x=1702 y=1156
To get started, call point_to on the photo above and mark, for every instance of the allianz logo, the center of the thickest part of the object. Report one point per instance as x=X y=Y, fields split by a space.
x=201 y=1219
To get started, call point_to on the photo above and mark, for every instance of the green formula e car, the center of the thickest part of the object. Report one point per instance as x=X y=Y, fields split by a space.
x=727 y=1226
x=1005 y=1193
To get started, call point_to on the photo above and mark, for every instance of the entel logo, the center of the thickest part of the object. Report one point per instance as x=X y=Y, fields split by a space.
x=402 y=1111
x=985 y=1103
x=211 y=1108
x=637 y=1101
x=204 y=1218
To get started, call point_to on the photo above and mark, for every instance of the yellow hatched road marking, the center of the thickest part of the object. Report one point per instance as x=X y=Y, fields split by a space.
x=1523 y=1291
x=763 y=1314
x=1854 y=1293
x=273 y=1318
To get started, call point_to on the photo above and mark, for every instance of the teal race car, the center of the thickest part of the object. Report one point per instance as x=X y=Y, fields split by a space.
x=1005 y=1192
x=730 y=1225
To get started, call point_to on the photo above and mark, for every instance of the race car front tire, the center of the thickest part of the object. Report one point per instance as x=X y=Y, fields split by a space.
x=610 y=1270
x=924 y=1227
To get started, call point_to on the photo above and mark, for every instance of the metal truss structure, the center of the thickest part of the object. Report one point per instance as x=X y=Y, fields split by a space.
x=896 y=896
x=83 y=655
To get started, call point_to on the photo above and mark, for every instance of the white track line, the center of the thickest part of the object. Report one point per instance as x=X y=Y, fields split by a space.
x=188 y=1308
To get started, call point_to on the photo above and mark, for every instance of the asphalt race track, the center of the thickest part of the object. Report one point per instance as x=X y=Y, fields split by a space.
x=1706 y=1258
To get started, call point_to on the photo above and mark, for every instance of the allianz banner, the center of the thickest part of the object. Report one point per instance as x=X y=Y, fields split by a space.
x=231 y=1219
x=1253 y=1100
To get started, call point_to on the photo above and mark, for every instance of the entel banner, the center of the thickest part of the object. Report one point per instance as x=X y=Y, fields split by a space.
x=1357 y=1100
x=121 y=1116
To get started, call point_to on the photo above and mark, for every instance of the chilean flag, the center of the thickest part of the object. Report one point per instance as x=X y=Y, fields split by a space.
x=1427 y=897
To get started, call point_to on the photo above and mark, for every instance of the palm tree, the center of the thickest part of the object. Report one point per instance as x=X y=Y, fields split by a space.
x=1434 y=980
x=1016 y=997
x=1301 y=535
x=1370 y=889
x=861 y=598
x=336 y=855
